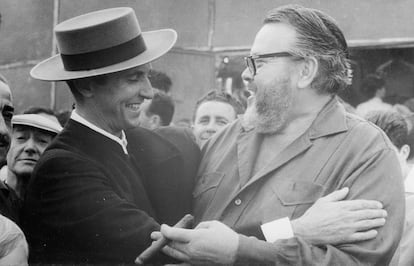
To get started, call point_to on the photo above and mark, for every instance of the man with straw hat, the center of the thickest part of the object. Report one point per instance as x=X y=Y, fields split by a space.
x=98 y=188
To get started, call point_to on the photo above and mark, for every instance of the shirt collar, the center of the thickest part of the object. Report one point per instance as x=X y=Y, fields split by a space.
x=121 y=141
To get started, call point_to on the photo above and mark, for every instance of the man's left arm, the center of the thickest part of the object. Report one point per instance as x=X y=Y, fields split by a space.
x=377 y=178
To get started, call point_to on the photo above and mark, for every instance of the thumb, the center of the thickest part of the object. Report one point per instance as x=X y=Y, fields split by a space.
x=337 y=195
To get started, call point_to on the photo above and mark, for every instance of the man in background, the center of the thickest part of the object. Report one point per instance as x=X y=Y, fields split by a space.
x=157 y=112
x=160 y=81
x=213 y=112
x=7 y=109
x=373 y=87
x=31 y=134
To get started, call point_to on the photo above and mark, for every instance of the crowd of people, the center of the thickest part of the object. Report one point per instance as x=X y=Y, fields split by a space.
x=296 y=177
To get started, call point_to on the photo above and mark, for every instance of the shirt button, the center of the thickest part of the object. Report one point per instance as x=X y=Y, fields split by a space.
x=237 y=202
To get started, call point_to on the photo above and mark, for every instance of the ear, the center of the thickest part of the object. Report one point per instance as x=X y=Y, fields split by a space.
x=405 y=151
x=308 y=71
x=155 y=121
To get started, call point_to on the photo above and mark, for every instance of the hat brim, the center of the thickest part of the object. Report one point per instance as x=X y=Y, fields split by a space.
x=158 y=43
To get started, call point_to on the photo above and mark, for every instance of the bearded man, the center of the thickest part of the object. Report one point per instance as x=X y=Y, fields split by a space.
x=295 y=144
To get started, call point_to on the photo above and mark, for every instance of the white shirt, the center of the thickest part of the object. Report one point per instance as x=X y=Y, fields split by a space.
x=121 y=141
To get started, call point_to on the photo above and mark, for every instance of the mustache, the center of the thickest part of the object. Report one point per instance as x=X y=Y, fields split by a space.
x=4 y=140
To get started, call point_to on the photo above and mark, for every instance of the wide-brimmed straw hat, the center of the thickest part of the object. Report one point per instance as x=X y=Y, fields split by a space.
x=102 y=42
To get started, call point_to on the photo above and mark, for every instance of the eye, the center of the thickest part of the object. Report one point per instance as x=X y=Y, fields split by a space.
x=203 y=121
x=222 y=122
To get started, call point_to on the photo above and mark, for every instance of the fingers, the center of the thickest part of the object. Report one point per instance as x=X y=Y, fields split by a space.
x=337 y=195
x=156 y=235
x=369 y=224
x=354 y=205
x=176 y=234
x=172 y=252
x=367 y=214
x=362 y=236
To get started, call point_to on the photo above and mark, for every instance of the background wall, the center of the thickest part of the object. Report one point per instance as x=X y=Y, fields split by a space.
x=205 y=27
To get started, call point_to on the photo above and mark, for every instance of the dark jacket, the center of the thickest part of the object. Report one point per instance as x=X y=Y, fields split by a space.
x=88 y=202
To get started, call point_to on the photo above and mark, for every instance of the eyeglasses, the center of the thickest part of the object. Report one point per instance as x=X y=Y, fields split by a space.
x=251 y=63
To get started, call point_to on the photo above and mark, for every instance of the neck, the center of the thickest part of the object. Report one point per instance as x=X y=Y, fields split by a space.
x=92 y=115
x=15 y=183
x=304 y=111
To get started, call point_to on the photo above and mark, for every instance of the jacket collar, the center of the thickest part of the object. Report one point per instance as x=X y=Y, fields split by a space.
x=330 y=120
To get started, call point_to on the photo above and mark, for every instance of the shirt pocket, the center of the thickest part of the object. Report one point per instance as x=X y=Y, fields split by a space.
x=205 y=191
x=295 y=197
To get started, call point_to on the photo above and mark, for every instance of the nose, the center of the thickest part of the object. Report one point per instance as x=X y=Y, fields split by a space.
x=146 y=90
x=247 y=75
x=211 y=127
x=31 y=146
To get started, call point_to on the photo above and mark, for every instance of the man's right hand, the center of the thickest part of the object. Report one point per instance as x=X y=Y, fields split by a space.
x=332 y=220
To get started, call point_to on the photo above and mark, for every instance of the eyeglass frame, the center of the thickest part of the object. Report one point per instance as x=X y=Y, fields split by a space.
x=251 y=63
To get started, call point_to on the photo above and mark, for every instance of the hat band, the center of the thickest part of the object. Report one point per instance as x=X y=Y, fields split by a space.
x=104 y=57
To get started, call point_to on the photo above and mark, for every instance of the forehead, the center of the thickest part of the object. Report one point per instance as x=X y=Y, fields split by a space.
x=29 y=129
x=132 y=71
x=274 y=37
x=215 y=108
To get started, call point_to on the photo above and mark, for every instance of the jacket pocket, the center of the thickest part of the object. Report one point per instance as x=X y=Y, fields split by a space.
x=205 y=191
x=294 y=197
x=298 y=192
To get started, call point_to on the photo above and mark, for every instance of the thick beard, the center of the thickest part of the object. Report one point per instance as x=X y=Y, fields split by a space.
x=272 y=107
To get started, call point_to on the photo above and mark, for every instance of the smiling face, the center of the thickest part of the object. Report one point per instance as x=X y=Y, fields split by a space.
x=211 y=117
x=274 y=83
x=116 y=102
x=6 y=108
x=27 y=144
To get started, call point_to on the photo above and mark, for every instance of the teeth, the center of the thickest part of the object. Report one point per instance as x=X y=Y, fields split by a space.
x=133 y=106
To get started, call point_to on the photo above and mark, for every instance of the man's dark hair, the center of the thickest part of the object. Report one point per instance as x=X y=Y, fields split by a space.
x=318 y=36
x=160 y=81
x=39 y=110
x=220 y=96
x=393 y=124
x=371 y=84
x=163 y=106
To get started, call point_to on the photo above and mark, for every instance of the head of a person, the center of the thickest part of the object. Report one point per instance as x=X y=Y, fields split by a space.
x=108 y=77
x=31 y=134
x=7 y=110
x=297 y=48
x=373 y=85
x=47 y=112
x=14 y=249
x=395 y=127
x=157 y=112
x=213 y=112
x=160 y=81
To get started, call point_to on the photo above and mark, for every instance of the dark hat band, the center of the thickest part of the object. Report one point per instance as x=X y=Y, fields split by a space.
x=104 y=57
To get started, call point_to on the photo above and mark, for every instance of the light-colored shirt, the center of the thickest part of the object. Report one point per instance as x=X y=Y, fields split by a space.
x=122 y=141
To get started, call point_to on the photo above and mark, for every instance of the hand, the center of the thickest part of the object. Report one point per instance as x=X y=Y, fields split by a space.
x=332 y=220
x=209 y=243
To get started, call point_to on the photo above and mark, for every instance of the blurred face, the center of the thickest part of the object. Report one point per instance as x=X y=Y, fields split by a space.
x=7 y=110
x=118 y=100
x=146 y=120
x=273 y=85
x=27 y=144
x=210 y=118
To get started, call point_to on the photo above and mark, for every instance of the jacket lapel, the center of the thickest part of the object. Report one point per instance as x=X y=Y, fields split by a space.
x=294 y=149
